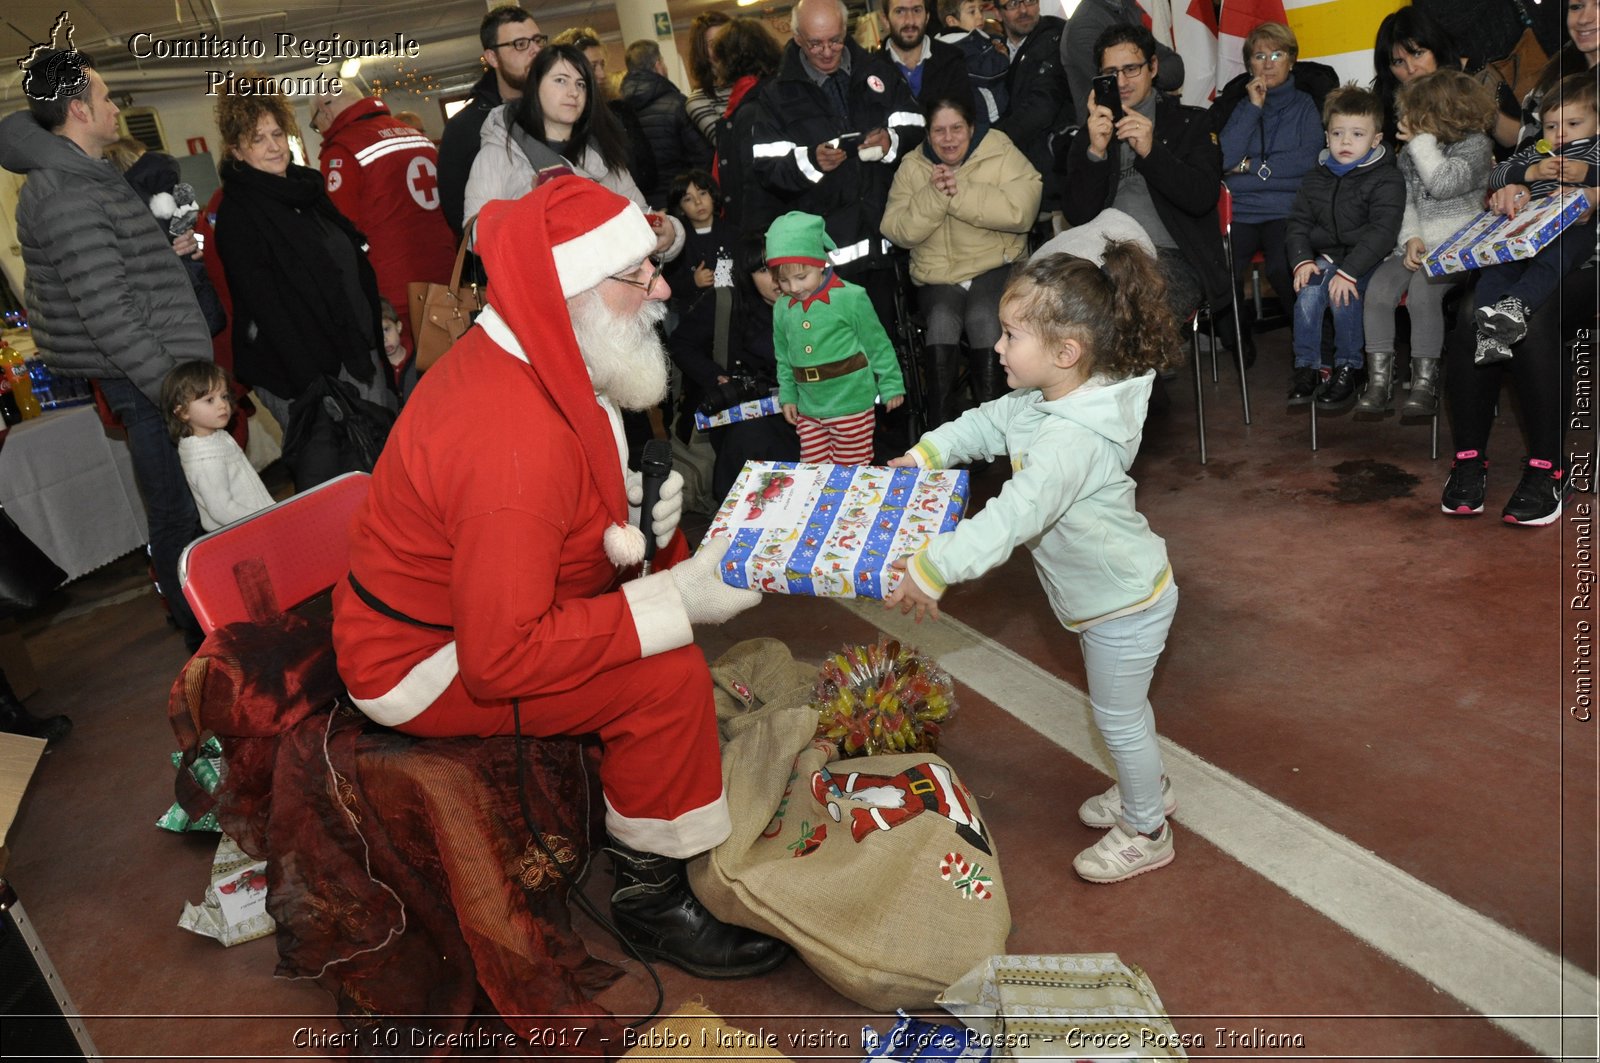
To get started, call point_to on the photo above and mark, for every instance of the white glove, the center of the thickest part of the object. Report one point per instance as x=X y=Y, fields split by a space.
x=706 y=599
x=665 y=513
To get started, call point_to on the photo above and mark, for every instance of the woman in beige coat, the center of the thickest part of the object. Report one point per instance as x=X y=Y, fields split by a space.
x=963 y=205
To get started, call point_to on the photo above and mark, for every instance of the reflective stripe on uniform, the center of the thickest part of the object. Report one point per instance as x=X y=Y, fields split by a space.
x=802 y=159
x=775 y=150
x=377 y=150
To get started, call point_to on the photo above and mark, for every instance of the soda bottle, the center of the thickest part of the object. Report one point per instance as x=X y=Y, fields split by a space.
x=15 y=369
x=9 y=412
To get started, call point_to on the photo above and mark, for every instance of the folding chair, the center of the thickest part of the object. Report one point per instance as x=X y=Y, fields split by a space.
x=293 y=550
x=1209 y=312
x=1433 y=431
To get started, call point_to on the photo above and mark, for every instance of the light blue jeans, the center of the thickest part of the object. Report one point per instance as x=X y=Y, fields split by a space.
x=1120 y=657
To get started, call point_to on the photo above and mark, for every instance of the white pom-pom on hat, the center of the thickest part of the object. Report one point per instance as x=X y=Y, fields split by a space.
x=624 y=545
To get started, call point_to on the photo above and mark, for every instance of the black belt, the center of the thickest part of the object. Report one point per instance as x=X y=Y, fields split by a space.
x=378 y=605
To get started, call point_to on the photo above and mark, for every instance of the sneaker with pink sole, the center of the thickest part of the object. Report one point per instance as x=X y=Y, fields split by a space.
x=1124 y=853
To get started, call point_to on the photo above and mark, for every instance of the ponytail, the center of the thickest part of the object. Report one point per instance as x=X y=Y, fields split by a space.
x=1118 y=312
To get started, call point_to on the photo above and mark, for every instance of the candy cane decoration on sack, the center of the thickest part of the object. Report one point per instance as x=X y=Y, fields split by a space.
x=970 y=881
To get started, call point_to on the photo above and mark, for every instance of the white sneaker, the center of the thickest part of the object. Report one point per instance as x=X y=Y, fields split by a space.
x=1103 y=810
x=1124 y=853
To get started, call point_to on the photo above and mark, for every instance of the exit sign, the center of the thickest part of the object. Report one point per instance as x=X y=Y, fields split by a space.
x=663 y=24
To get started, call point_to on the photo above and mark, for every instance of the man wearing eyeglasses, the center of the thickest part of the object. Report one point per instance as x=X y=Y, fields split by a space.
x=495 y=583
x=1092 y=18
x=932 y=69
x=1160 y=164
x=1037 y=87
x=511 y=41
x=832 y=127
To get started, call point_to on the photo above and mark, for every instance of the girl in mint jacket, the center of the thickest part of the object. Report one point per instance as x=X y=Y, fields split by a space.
x=1081 y=343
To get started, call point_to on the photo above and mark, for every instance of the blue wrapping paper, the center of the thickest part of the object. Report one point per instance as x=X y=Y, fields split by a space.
x=745 y=411
x=832 y=530
x=1491 y=238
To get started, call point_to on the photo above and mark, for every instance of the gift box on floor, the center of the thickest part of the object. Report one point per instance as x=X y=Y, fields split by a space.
x=1089 y=1007
x=1490 y=238
x=832 y=530
x=745 y=411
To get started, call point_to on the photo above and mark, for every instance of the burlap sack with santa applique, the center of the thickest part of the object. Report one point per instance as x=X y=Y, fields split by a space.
x=878 y=871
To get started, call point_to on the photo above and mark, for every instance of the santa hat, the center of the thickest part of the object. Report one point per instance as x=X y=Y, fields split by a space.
x=799 y=237
x=568 y=234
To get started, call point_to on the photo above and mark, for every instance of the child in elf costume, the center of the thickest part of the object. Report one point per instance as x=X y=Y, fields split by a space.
x=834 y=359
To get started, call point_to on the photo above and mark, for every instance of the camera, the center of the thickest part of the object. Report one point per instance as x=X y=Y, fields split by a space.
x=739 y=388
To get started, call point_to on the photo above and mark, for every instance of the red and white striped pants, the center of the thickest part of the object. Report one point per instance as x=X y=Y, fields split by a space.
x=845 y=440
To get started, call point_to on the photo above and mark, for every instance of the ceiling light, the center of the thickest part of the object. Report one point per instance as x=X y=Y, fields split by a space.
x=350 y=67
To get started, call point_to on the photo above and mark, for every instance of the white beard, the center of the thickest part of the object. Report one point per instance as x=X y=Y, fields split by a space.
x=624 y=353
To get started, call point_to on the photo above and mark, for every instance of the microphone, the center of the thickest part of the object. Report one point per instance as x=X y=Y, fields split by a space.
x=654 y=465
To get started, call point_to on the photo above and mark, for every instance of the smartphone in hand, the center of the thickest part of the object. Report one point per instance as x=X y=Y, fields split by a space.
x=845 y=141
x=1107 y=95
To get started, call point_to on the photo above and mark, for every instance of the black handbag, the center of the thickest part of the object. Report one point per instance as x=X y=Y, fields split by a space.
x=27 y=575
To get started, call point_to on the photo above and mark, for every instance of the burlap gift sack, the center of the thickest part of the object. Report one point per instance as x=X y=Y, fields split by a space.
x=877 y=870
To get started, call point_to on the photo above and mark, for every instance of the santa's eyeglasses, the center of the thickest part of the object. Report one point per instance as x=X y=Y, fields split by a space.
x=650 y=279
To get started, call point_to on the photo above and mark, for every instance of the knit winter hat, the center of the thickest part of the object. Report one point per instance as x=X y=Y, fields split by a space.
x=799 y=237
x=569 y=233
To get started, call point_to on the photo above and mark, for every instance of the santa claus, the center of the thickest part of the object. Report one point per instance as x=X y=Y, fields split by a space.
x=494 y=566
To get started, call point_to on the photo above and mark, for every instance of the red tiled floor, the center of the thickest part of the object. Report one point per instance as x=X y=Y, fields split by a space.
x=1388 y=672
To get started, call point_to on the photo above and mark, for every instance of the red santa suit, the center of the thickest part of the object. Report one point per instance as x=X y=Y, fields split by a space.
x=498 y=514
x=384 y=176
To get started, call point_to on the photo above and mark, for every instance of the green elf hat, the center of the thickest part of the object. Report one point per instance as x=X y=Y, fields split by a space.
x=799 y=237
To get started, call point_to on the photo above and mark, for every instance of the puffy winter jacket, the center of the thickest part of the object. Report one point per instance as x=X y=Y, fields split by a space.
x=795 y=115
x=1353 y=219
x=674 y=141
x=983 y=226
x=106 y=296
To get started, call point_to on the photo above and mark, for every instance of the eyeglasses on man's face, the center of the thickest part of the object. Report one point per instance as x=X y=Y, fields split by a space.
x=650 y=279
x=1270 y=57
x=1127 y=72
x=522 y=44
x=1012 y=5
x=829 y=44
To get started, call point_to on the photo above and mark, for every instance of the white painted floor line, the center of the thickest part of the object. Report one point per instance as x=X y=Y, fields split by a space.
x=1520 y=986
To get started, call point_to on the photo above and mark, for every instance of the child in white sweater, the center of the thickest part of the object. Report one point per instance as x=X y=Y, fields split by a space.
x=197 y=405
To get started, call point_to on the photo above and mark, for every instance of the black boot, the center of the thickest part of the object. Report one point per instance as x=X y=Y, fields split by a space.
x=1424 y=398
x=942 y=362
x=656 y=912
x=988 y=379
x=17 y=720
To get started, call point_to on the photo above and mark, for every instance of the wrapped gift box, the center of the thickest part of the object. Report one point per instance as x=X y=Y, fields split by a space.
x=831 y=530
x=1490 y=238
x=745 y=411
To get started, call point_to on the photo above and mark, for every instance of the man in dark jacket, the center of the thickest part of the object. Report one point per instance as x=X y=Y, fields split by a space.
x=1040 y=104
x=674 y=141
x=1089 y=20
x=511 y=41
x=1160 y=164
x=932 y=69
x=107 y=298
x=831 y=128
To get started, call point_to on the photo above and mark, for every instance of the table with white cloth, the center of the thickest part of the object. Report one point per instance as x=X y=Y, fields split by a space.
x=68 y=484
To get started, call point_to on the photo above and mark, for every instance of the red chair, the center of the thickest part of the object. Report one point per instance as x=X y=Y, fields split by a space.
x=1209 y=312
x=300 y=545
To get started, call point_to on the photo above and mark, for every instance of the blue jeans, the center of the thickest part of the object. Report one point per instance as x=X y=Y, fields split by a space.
x=1348 y=331
x=1120 y=658
x=168 y=505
